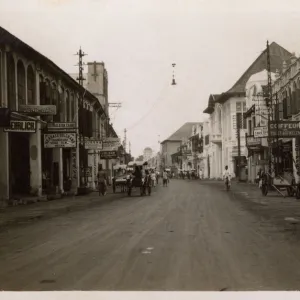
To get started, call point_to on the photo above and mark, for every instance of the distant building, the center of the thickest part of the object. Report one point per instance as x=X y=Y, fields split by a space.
x=148 y=153
x=171 y=145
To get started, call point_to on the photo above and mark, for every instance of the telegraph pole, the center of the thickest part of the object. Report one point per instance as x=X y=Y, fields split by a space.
x=238 y=134
x=270 y=106
x=80 y=79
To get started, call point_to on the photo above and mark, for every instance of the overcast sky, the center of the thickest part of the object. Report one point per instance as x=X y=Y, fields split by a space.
x=212 y=42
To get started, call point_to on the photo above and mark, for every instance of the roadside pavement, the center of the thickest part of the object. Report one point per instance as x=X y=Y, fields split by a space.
x=18 y=215
x=272 y=207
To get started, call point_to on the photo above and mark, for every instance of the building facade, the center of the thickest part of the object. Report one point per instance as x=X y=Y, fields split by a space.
x=225 y=109
x=55 y=125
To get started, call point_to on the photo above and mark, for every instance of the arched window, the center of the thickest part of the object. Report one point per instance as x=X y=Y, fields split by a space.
x=55 y=101
x=62 y=104
x=11 y=82
x=30 y=85
x=21 y=83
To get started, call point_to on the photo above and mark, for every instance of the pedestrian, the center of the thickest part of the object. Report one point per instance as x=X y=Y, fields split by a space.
x=165 y=178
x=200 y=174
x=102 y=181
x=153 y=178
x=227 y=175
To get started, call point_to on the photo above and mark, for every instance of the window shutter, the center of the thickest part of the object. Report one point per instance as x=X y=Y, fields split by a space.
x=48 y=94
x=280 y=110
x=294 y=103
x=42 y=93
x=285 y=108
x=298 y=99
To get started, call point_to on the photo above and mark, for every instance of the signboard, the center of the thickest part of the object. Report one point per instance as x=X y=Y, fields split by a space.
x=253 y=143
x=63 y=126
x=93 y=144
x=21 y=126
x=111 y=144
x=108 y=154
x=38 y=110
x=60 y=140
x=261 y=132
x=284 y=129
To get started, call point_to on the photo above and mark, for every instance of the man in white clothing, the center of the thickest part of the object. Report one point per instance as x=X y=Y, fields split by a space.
x=227 y=174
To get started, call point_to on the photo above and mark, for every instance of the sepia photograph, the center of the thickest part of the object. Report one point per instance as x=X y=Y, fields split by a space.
x=149 y=145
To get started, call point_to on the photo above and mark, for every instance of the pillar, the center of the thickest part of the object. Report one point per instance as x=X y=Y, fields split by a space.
x=35 y=149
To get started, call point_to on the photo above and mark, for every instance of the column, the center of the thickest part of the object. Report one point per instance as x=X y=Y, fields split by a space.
x=91 y=183
x=35 y=150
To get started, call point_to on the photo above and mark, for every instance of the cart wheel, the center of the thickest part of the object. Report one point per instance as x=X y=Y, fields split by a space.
x=149 y=190
x=298 y=192
x=290 y=191
x=264 y=189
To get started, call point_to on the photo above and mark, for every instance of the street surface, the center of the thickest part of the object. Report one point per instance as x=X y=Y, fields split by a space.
x=191 y=235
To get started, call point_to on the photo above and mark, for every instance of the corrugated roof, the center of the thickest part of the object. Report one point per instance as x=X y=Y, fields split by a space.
x=183 y=132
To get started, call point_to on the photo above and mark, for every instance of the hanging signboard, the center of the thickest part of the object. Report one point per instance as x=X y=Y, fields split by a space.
x=61 y=127
x=111 y=144
x=93 y=144
x=108 y=154
x=284 y=129
x=21 y=126
x=38 y=110
x=260 y=132
x=253 y=143
x=60 y=140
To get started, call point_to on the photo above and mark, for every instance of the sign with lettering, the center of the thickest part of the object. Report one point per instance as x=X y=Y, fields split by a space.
x=260 y=132
x=38 y=110
x=21 y=126
x=253 y=143
x=93 y=144
x=284 y=129
x=61 y=126
x=108 y=154
x=60 y=140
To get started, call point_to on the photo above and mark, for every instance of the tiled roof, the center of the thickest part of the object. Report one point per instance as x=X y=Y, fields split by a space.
x=183 y=132
x=277 y=55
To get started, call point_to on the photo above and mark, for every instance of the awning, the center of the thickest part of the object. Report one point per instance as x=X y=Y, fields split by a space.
x=21 y=117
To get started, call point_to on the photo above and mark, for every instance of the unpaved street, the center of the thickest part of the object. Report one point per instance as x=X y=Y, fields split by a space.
x=188 y=236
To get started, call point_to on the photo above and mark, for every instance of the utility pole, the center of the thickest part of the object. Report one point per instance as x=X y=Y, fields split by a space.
x=270 y=106
x=82 y=130
x=125 y=140
x=238 y=135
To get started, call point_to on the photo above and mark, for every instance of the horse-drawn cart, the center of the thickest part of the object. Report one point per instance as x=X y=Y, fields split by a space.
x=119 y=180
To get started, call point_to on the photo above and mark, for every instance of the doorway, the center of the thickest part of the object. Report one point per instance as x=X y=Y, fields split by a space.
x=19 y=163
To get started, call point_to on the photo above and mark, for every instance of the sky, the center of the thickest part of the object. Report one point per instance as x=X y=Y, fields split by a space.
x=212 y=43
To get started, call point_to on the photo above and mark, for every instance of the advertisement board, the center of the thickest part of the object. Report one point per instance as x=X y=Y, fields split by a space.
x=93 y=144
x=38 y=110
x=60 y=140
x=260 y=132
x=284 y=129
x=21 y=126
x=253 y=143
x=61 y=127
x=108 y=154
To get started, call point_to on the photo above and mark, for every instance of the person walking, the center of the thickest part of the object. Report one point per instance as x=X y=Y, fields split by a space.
x=102 y=181
x=165 y=178
x=153 y=178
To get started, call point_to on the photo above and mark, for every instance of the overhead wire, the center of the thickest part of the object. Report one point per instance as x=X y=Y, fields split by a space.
x=150 y=110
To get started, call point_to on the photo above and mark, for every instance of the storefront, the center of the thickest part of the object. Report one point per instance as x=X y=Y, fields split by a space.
x=20 y=133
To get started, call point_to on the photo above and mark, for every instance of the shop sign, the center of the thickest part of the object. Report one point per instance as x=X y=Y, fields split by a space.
x=38 y=110
x=260 y=132
x=284 y=129
x=111 y=144
x=93 y=144
x=253 y=143
x=108 y=154
x=61 y=126
x=21 y=126
x=60 y=140
x=87 y=173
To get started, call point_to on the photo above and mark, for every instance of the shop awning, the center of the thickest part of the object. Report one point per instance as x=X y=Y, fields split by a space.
x=21 y=117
